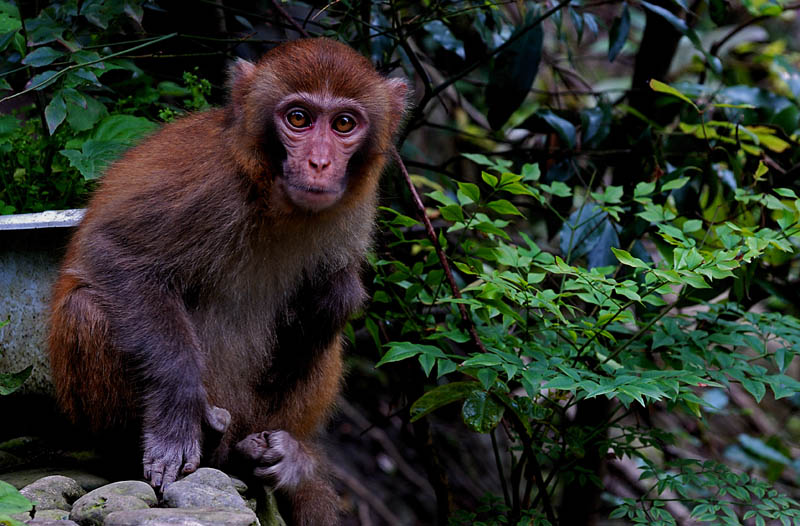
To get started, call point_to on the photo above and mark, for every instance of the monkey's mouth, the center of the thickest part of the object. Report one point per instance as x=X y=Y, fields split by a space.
x=312 y=189
x=314 y=198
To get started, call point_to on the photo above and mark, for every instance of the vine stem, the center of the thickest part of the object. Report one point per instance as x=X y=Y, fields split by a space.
x=465 y=317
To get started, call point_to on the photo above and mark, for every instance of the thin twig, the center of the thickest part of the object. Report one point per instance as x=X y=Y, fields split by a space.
x=62 y=72
x=476 y=339
x=290 y=19
x=499 y=463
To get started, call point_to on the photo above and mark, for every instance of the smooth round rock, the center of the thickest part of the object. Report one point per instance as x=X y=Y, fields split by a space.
x=205 y=488
x=51 y=515
x=93 y=508
x=181 y=517
x=55 y=492
x=48 y=522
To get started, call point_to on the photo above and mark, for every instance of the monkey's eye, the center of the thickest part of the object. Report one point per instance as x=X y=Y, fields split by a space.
x=298 y=119
x=344 y=124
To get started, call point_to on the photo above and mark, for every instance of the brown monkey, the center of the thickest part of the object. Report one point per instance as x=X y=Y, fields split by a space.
x=216 y=265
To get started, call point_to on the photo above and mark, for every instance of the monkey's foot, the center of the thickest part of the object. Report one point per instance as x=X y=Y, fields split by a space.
x=279 y=458
x=164 y=457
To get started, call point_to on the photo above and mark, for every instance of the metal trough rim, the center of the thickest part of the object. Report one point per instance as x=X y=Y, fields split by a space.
x=47 y=219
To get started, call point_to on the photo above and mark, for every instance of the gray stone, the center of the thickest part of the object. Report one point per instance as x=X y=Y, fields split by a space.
x=240 y=486
x=22 y=516
x=181 y=517
x=95 y=506
x=20 y=479
x=205 y=488
x=51 y=515
x=55 y=492
x=48 y=522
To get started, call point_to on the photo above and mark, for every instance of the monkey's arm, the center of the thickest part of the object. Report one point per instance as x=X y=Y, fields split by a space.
x=153 y=331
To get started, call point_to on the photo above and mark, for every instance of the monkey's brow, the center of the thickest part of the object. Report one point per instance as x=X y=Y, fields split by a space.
x=322 y=101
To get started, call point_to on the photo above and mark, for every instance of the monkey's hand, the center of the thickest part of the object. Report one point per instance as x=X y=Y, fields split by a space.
x=165 y=454
x=280 y=459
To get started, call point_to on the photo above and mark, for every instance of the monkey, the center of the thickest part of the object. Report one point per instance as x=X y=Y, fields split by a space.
x=205 y=291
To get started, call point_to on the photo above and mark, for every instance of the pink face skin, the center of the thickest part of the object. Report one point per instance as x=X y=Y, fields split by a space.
x=320 y=133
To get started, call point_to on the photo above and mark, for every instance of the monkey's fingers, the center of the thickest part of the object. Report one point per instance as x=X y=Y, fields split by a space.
x=253 y=446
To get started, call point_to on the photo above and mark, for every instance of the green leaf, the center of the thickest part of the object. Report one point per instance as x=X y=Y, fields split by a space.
x=755 y=388
x=452 y=213
x=644 y=189
x=489 y=179
x=481 y=412
x=692 y=225
x=468 y=193
x=11 y=501
x=42 y=56
x=42 y=80
x=399 y=351
x=620 y=29
x=675 y=184
x=761 y=171
x=55 y=113
x=660 y=87
x=502 y=206
x=478 y=158
x=82 y=119
x=123 y=128
x=94 y=157
x=483 y=360
x=441 y=396
x=625 y=258
x=10 y=382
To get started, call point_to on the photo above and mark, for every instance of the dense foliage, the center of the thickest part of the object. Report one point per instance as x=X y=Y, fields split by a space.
x=607 y=254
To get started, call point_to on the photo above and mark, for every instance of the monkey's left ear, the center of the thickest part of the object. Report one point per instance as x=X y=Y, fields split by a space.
x=399 y=95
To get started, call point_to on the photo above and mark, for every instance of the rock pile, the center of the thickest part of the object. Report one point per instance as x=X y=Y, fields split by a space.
x=207 y=497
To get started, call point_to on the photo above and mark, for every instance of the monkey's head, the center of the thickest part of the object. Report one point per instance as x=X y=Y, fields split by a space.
x=318 y=118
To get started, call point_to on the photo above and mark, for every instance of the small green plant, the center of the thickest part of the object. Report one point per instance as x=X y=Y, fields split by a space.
x=12 y=503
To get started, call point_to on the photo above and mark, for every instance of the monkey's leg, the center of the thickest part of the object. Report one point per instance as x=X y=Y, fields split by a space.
x=93 y=382
x=293 y=467
x=88 y=374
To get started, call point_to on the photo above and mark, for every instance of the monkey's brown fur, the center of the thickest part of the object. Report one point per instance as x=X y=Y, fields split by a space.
x=194 y=283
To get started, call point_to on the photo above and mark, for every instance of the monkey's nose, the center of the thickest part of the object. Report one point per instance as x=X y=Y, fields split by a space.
x=319 y=164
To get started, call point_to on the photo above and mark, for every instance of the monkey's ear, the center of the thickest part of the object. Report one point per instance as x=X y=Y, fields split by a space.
x=241 y=70
x=399 y=95
x=240 y=76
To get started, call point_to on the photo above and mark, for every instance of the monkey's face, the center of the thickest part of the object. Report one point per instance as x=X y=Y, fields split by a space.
x=320 y=134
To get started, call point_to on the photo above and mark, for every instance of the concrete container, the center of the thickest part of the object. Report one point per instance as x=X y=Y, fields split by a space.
x=31 y=249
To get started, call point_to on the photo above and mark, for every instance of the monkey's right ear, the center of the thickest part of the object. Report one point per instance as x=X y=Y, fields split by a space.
x=240 y=75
